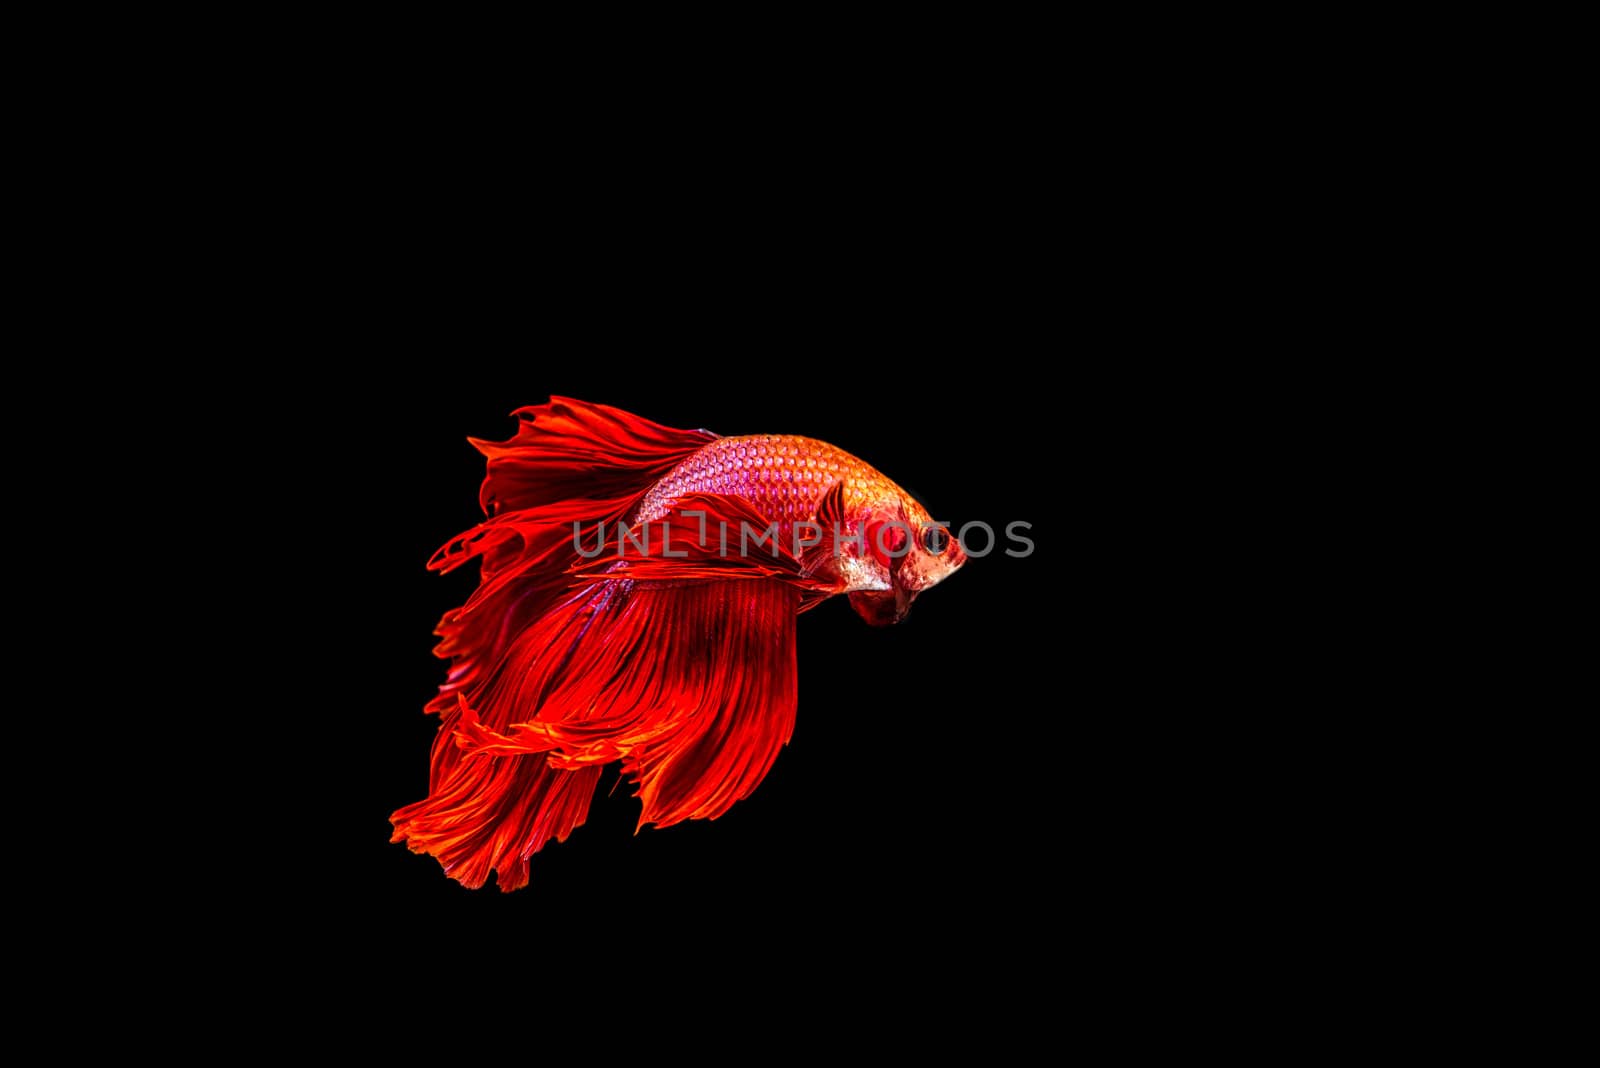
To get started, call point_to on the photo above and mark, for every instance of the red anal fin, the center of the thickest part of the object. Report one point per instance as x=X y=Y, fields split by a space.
x=691 y=686
x=717 y=750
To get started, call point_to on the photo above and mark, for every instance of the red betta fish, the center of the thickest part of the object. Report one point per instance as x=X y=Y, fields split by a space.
x=636 y=602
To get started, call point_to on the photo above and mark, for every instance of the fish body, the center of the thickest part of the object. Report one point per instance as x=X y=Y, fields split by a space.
x=637 y=600
x=784 y=478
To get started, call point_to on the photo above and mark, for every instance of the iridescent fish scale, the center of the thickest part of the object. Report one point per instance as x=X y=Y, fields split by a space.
x=782 y=476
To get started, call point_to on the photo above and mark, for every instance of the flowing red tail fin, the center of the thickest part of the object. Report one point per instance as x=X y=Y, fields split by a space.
x=569 y=463
x=493 y=813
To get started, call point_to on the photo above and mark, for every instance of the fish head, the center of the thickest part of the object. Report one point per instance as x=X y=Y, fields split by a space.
x=916 y=553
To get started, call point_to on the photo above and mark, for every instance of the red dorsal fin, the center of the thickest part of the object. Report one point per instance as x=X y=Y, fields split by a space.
x=573 y=450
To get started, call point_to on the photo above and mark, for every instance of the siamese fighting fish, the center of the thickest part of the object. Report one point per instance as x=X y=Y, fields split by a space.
x=636 y=603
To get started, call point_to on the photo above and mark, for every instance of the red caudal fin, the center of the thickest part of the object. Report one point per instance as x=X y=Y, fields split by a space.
x=493 y=813
x=570 y=464
x=691 y=686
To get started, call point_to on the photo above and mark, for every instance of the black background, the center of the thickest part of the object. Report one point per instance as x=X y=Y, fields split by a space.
x=1058 y=755
x=1016 y=763
x=1052 y=757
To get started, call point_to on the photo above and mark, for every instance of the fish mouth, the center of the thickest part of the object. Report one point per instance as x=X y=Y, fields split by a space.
x=908 y=576
x=882 y=608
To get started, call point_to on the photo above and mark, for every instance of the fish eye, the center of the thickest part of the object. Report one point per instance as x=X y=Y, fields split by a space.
x=936 y=540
